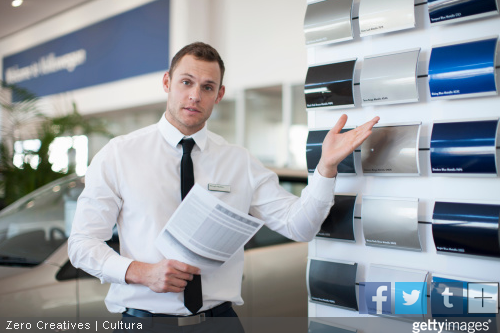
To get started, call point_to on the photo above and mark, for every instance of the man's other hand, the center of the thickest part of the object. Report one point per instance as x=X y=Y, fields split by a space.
x=337 y=146
x=163 y=277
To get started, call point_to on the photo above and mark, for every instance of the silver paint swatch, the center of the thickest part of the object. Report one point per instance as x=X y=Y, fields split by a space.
x=328 y=21
x=390 y=78
x=391 y=222
x=391 y=151
x=380 y=16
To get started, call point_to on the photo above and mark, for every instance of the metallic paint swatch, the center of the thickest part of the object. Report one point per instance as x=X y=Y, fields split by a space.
x=463 y=70
x=332 y=283
x=466 y=228
x=467 y=147
x=391 y=222
x=330 y=85
x=390 y=79
x=391 y=150
x=383 y=273
x=313 y=152
x=339 y=224
x=328 y=21
x=379 y=16
x=445 y=11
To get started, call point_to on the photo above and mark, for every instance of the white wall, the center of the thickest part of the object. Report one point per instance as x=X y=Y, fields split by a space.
x=426 y=187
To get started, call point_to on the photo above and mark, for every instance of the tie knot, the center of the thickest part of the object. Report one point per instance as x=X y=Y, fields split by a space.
x=187 y=145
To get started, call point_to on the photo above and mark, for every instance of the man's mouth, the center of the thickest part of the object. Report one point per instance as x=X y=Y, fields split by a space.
x=191 y=109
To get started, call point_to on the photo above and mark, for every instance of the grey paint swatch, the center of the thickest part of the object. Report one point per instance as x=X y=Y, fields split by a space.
x=390 y=78
x=380 y=16
x=383 y=273
x=391 y=222
x=328 y=21
x=391 y=150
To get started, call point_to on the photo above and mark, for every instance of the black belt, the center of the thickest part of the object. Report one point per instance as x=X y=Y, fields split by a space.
x=183 y=320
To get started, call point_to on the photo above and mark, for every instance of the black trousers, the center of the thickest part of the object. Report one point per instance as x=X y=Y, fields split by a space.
x=226 y=322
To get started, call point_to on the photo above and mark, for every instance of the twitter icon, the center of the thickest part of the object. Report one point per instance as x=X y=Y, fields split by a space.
x=410 y=298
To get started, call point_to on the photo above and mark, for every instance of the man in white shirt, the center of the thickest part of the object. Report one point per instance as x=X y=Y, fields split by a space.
x=133 y=182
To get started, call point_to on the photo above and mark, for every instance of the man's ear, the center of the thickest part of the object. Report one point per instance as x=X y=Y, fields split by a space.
x=220 y=94
x=166 y=82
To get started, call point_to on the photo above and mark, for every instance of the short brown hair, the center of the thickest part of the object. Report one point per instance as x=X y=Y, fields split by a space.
x=200 y=51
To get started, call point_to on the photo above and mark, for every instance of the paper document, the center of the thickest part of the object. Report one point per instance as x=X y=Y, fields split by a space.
x=205 y=232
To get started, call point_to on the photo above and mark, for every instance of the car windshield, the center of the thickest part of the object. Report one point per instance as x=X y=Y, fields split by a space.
x=36 y=225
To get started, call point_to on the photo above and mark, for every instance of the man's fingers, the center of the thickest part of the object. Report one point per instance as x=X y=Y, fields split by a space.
x=369 y=124
x=340 y=124
x=183 y=267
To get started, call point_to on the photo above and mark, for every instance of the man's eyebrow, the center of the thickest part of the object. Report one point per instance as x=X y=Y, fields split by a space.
x=192 y=77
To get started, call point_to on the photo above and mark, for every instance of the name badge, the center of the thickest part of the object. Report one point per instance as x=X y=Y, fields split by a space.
x=219 y=188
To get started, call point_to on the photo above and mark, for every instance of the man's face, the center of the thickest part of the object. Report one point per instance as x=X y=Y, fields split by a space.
x=193 y=90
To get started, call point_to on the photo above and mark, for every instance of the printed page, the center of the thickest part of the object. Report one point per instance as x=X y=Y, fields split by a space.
x=205 y=232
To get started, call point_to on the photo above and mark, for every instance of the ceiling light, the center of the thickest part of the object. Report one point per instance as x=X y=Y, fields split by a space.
x=17 y=3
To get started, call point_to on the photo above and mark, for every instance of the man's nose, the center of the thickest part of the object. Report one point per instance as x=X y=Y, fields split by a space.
x=195 y=94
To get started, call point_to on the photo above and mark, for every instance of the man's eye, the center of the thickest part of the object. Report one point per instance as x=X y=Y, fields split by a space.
x=209 y=88
x=185 y=82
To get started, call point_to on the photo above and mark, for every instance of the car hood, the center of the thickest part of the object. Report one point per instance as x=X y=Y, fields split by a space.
x=6 y=271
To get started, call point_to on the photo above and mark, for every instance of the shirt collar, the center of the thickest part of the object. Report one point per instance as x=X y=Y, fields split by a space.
x=172 y=135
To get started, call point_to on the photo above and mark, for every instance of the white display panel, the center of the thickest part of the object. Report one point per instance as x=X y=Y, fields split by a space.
x=379 y=16
x=391 y=222
x=328 y=21
x=390 y=78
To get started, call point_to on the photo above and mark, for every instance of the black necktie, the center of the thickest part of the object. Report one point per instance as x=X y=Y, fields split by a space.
x=193 y=299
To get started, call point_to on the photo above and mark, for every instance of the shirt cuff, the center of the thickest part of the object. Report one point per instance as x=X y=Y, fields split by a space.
x=115 y=268
x=322 y=188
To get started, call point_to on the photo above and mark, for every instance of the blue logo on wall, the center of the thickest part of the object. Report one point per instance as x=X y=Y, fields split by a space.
x=126 y=45
x=375 y=298
x=410 y=298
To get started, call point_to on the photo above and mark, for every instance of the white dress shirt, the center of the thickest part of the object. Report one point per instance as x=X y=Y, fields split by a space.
x=134 y=182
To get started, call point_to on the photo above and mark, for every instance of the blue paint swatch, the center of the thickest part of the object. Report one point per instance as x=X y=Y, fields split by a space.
x=464 y=147
x=446 y=10
x=466 y=228
x=463 y=70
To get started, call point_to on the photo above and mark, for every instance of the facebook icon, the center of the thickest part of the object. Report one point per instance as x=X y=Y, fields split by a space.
x=375 y=298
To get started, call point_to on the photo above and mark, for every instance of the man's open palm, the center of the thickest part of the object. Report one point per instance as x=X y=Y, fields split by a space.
x=337 y=146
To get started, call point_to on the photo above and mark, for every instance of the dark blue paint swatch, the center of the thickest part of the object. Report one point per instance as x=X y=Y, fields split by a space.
x=446 y=10
x=466 y=228
x=464 y=147
x=333 y=283
x=462 y=69
x=313 y=153
x=339 y=224
x=330 y=85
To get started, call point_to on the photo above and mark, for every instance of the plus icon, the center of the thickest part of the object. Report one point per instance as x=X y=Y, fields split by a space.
x=482 y=297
